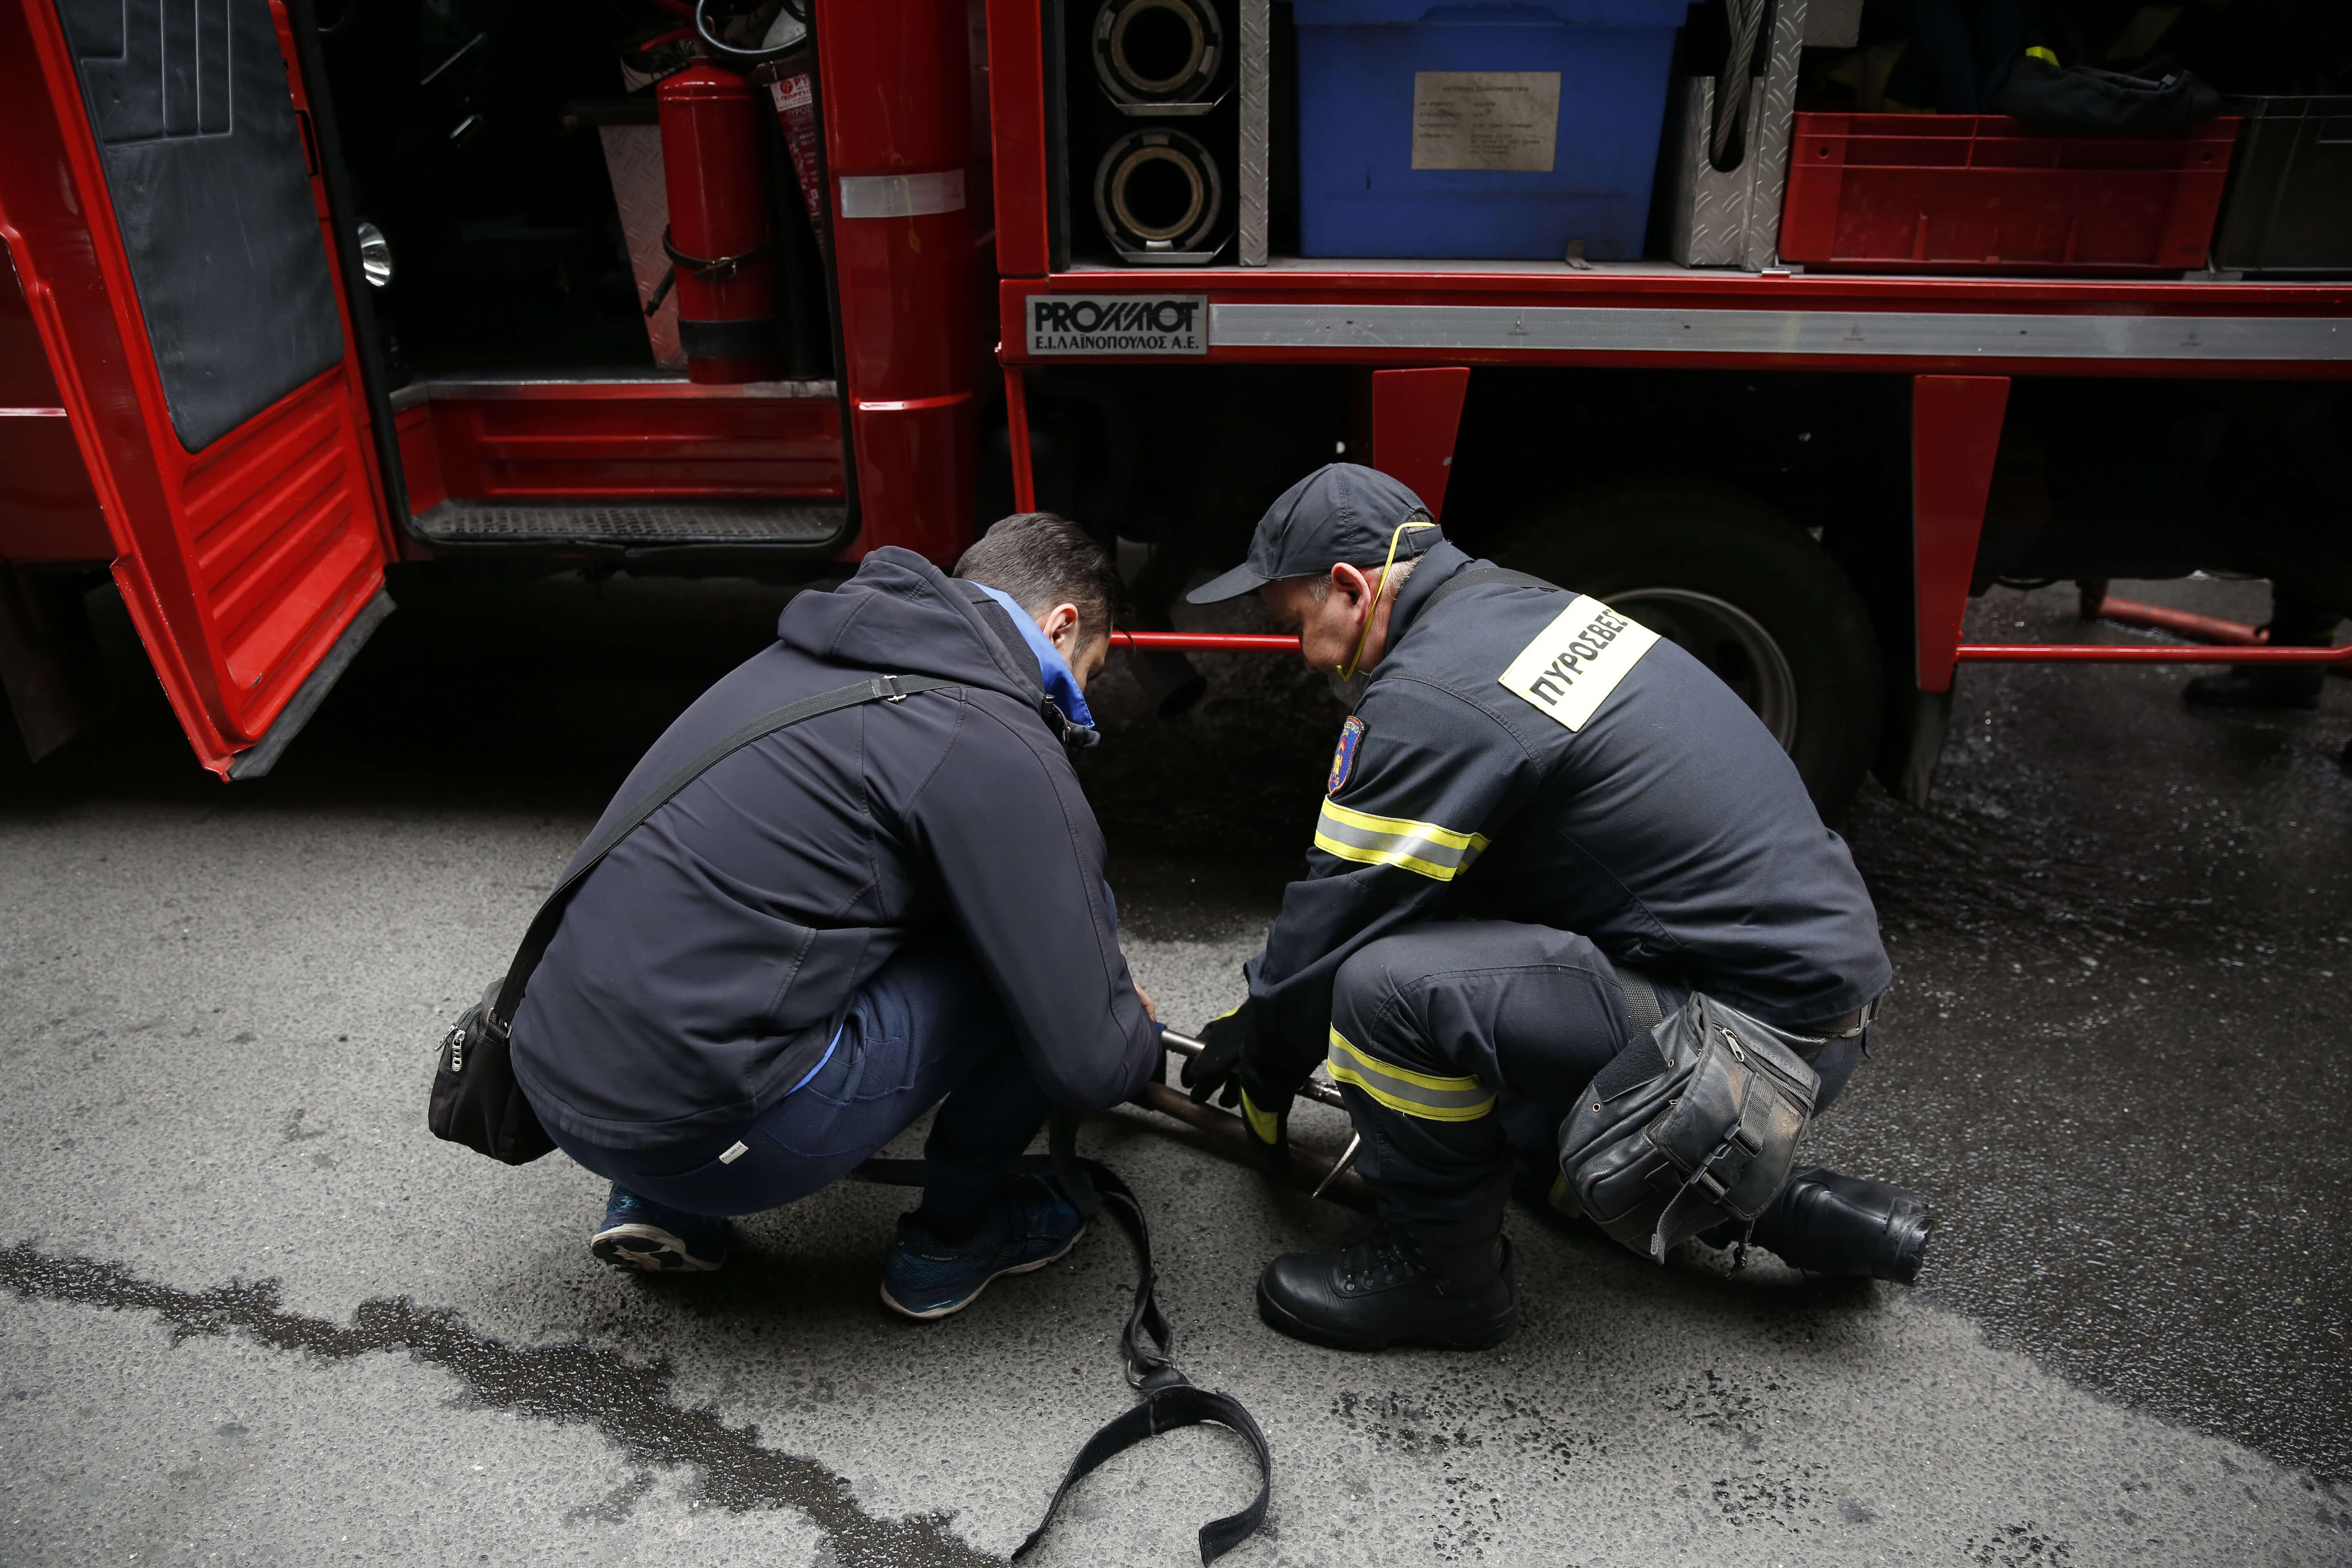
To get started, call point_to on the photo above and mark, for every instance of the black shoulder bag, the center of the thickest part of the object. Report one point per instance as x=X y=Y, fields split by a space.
x=475 y=1100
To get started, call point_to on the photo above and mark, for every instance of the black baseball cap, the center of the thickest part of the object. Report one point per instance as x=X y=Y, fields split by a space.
x=1342 y=512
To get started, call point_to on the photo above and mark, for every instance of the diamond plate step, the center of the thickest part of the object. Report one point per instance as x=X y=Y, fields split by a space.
x=631 y=524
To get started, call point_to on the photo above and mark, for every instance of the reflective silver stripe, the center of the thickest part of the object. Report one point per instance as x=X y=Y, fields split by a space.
x=1599 y=329
x=901 y=195
x=1431 y=1098
x=1438 y=853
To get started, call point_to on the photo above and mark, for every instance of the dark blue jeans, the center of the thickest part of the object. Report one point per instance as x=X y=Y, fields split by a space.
x=927 y=1025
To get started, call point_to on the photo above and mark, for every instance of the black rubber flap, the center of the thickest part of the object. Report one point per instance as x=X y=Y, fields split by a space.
x=211 y=187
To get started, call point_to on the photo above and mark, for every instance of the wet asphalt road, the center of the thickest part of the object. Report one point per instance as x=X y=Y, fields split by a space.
x=256 y=1315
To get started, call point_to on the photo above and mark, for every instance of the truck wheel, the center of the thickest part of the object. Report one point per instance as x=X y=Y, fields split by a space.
x=1745 y=590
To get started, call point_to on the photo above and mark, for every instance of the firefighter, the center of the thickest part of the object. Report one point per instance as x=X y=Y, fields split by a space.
x=823 y=936
x=2296 y=621
x=1542 y=822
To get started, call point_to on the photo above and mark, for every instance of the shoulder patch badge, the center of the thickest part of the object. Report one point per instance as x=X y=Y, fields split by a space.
x=1343 y=760
x=1577 y=662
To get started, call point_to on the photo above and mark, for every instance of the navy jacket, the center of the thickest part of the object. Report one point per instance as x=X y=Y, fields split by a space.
x=1667 y=826
x=701 y=971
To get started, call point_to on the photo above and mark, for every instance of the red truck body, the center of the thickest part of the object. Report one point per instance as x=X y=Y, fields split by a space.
x=254 y=565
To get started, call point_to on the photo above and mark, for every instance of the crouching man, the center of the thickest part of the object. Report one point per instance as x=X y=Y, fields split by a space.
x=1544 y=828
x=891 y=905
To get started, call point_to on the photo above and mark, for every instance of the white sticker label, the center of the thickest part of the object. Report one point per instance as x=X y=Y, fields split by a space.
x=901 y=195
x=1118 y=324
x=1577 y=662
x=1485 y=120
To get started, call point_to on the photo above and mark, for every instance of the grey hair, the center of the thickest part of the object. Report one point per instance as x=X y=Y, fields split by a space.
x=1319 y=588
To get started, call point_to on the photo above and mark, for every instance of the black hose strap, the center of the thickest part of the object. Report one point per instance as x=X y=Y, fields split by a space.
x=661 y=288
x=1727 y=139
x=706 y=269
x=1169 y=1401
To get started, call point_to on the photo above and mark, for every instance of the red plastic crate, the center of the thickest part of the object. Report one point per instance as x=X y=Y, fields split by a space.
x=1981 y=193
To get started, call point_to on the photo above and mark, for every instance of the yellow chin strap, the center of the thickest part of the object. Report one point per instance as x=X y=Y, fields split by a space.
x=1348 y=670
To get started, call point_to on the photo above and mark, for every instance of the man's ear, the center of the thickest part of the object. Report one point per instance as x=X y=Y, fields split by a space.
x=1351 y=582
x=1059 y=621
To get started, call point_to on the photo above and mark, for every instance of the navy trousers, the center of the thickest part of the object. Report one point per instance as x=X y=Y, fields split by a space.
x=927 y=1026
x=1459 y=1044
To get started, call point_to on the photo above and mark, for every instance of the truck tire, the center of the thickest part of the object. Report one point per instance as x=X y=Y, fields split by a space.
x=1745 y=590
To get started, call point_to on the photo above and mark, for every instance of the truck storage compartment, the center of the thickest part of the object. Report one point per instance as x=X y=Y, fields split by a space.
x=2290 y=202
x=1727 y=133
x=510 y=154
x=1981 y=193
x=1507 y=131
x=1162 y=110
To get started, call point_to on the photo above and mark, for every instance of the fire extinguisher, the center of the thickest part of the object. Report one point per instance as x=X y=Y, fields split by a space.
x=795 y=102
x=719 y=240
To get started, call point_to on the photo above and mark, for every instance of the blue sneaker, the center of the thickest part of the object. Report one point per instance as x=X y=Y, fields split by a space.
x=1028 y=1227
x=639 y=1233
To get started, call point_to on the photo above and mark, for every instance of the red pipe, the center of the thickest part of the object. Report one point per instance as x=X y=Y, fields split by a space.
x=1207 y=642
x=2180 y=623
x=2047 y=653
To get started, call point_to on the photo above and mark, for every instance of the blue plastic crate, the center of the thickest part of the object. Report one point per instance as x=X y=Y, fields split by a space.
x=1483 y=97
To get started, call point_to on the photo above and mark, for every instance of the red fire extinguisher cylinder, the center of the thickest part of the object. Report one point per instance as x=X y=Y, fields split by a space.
x=720 y=242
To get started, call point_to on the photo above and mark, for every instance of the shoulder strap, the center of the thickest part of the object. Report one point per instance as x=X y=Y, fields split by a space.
x=875 y=689
x=1480 y=574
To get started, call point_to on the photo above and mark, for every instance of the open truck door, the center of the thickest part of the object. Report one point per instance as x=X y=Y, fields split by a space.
x=162 y=205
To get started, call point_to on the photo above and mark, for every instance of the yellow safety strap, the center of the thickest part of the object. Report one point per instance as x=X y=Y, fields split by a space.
x=2039 y=53
x=1264 y=1125
x=1438 y=853
x=1431 y=1098
x=1348 y=670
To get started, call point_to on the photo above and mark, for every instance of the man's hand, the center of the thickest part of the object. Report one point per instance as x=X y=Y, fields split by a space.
x=1223 y=1064
x=1223 y=1042
x=1149 y=1011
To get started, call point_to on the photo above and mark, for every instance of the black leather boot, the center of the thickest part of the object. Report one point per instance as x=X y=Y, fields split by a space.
x=1828 y=1224
x=2272 y=689
x=1383 y=1292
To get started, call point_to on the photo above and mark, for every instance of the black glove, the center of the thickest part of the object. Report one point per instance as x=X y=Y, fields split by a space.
x=1223 y=1042
x=1228 y=1044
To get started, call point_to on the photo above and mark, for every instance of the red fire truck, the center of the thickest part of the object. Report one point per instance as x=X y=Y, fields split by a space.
x=296 y=297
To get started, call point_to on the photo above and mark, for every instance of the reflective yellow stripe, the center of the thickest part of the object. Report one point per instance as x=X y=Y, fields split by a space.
x=1560 y=1198
x=1436 y=852
x=1261 y=1124
x=1415 y=1093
